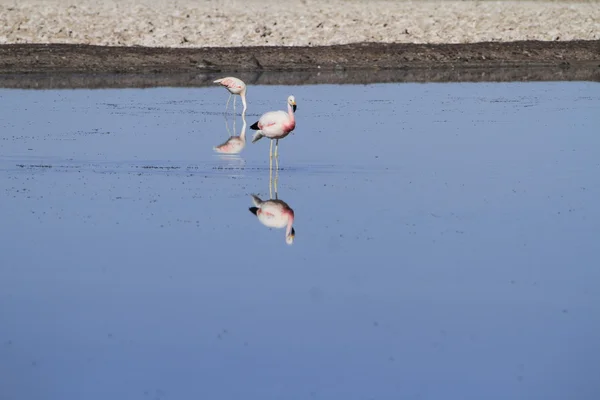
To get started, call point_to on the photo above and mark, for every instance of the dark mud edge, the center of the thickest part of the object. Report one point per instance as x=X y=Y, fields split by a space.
x=72 y=66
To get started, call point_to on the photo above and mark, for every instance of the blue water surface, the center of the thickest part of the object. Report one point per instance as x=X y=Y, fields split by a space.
x=446 y=244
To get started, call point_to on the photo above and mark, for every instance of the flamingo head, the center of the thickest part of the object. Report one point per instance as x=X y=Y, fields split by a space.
x=292 y=102
x=289 y=239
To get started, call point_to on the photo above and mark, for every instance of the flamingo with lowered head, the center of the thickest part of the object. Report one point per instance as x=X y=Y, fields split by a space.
x=275 y=125
x=275 y=214
x=234 y=86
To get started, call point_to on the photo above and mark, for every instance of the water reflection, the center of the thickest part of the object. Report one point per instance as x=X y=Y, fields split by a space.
x=274 y=213
x=234 y=144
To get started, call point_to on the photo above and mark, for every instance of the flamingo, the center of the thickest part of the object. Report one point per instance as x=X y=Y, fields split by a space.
x=234 y=86
x=275 y=214
x=275 y=125
x=234 y=144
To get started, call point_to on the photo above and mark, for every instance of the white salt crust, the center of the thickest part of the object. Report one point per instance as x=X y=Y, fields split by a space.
x=210 y=23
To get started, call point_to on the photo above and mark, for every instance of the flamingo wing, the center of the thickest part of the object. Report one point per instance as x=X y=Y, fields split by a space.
x=272 y=118
x=230 y=82
x=271 y=214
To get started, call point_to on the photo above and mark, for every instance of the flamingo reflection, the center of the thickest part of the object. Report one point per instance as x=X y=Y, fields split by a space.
x=235 y=144
x=274 y=213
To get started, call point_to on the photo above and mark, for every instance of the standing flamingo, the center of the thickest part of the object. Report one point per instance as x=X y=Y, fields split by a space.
x=275 y=214
x=234 y=86
x=275 y=125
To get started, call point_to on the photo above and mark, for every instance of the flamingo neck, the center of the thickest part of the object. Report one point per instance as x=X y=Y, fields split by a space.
x=288 y=230
x=243 y=96
x=291 y=113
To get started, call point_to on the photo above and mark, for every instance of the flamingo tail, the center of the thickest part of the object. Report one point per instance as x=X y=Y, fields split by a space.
x=254 y=126
x=256 y=200
x=253 y=210
x=257 y=136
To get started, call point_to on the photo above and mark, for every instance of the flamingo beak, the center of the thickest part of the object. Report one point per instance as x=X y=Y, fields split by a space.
x=290 y=238
x=294 y=106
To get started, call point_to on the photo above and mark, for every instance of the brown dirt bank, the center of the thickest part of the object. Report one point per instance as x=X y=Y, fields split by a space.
x=354 y=63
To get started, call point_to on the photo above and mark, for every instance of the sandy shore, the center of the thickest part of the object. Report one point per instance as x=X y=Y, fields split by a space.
x=224 y=23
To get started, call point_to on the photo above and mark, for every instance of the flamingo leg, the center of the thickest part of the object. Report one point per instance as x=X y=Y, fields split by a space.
x=271 y=156
x=234 y=132
x=234 y=99
x=227 y=104
x=276 y=178
x=270 y=183
x=270 y=172
x=226 y=125
x=275 y=184
x=277 y=153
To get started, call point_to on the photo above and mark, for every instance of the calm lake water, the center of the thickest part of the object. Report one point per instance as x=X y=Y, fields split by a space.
x=446 y=244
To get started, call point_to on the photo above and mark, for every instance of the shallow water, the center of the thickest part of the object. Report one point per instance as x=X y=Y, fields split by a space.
x=446 y=244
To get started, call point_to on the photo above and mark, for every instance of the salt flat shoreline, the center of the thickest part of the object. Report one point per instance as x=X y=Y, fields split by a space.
x=232 y=23
x=557 y=39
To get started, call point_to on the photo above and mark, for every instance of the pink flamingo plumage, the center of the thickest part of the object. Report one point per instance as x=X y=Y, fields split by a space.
x=235 y=144
x=235 y=86
x=275 y=125
x=275 y=214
